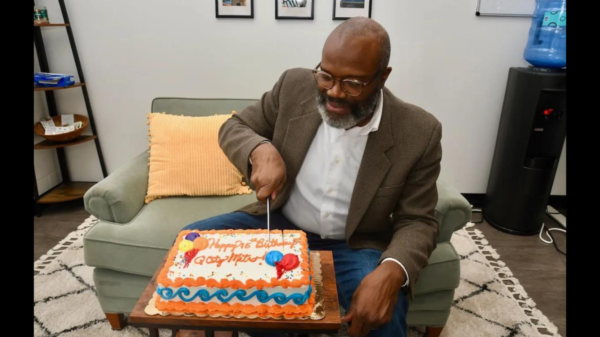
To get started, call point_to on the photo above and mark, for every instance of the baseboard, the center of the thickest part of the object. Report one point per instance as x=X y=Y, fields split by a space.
x=558 y=201
x=478 y=199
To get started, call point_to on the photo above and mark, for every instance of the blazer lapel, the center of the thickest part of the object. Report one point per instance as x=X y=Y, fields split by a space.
x=300 y=133
x=373 y=169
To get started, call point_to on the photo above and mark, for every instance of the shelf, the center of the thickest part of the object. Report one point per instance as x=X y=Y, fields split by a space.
x=66 y=192
x=57 y=88
x=47 y=145
x=50 y=24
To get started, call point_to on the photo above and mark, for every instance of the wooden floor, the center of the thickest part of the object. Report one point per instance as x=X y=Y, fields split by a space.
x=539 y=267
x=55 y=223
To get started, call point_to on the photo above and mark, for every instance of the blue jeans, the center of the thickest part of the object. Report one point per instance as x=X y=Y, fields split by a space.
x=351 y=265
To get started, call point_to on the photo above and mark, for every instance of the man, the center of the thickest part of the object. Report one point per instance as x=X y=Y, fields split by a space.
x=350 y=164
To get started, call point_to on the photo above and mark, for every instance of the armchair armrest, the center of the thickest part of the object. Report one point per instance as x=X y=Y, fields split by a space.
x=453 y=211
x=120 y=196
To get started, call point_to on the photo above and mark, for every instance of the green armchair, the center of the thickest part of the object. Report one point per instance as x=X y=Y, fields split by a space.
x=130 y=239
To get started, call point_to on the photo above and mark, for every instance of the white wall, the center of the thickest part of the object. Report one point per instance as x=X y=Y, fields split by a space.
x=445 y=59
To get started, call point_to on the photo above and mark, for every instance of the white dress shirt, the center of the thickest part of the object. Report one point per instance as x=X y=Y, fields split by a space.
x=320 y=198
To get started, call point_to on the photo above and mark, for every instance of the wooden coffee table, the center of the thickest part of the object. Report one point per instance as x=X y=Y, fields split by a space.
x=331 y=323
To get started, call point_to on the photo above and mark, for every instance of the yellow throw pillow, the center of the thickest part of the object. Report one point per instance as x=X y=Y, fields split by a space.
x=186 y=160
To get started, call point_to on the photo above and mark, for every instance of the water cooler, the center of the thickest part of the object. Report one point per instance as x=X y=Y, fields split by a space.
x=532 y=128
x=528 y=147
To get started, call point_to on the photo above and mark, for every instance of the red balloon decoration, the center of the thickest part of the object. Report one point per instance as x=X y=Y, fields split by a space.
x=288 y=262
x=189 y=255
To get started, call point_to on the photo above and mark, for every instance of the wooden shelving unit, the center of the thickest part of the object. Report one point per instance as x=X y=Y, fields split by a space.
x=50 y=24
x=48 y=145
x=57 y=88
x=67 y=190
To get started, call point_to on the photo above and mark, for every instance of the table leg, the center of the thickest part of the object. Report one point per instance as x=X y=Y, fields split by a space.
x=175 y=333
x=209 y=333
x=153 y=332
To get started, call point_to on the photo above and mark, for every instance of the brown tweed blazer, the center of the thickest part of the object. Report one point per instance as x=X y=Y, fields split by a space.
x=392 y=206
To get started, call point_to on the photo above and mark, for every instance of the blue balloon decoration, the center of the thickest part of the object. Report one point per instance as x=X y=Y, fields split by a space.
x=273 y=256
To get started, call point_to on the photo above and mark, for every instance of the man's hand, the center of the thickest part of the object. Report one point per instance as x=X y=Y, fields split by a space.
x=269 y=173
x=375 y=298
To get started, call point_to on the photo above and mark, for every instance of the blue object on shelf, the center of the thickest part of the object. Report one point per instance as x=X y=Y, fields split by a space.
x=52 y=80
x=547 y=43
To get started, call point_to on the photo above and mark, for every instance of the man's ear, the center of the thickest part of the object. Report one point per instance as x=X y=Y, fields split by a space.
x=385 y=75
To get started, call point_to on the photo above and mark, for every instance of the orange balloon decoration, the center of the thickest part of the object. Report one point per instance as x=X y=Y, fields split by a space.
x=200 y=243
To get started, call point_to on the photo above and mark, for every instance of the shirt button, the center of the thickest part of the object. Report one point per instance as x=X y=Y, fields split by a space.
x=337 y=161
x=329 y=190
x=326 y=215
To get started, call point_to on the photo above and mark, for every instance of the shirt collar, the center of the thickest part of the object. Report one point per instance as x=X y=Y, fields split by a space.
x=373 y=124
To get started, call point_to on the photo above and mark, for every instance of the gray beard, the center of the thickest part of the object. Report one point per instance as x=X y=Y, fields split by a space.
x=357 y=113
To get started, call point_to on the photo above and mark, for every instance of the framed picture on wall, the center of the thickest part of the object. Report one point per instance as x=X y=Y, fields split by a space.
x=346 y=9
x=295 y=9
x=234 y=9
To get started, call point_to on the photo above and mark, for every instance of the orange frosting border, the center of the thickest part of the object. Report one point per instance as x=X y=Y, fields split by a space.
x=238 y=309
x=164 y=281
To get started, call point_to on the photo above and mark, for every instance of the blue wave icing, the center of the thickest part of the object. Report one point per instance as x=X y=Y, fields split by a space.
x=223 y=296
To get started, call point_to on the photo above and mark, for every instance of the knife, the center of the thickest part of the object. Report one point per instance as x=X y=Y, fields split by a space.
x=269 y=219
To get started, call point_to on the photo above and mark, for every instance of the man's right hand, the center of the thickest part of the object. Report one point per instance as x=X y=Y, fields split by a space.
x=269 y=173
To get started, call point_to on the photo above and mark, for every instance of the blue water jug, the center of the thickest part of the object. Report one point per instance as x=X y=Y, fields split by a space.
x=547 y=44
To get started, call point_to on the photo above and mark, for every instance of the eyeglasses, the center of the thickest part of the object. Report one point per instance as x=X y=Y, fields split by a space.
x=349 y=86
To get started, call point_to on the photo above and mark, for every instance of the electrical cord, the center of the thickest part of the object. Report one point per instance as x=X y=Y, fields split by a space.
x=551 y=237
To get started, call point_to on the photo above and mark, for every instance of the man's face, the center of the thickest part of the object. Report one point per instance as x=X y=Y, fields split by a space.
x=350 y=59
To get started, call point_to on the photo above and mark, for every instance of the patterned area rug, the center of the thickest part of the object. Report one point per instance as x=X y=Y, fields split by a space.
x=488 y=302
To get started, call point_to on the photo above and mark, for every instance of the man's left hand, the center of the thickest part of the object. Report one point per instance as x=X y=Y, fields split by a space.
x=375 y=299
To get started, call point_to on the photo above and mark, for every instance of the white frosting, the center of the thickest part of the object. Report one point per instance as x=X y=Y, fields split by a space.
x=233 y=247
